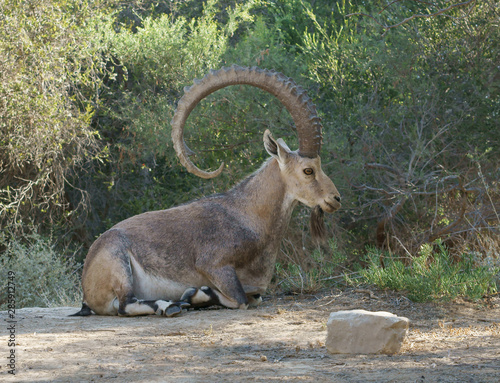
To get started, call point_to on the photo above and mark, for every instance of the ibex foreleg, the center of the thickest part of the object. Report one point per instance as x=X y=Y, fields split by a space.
x=205 y=297
x=228 y=290
x=133 y=307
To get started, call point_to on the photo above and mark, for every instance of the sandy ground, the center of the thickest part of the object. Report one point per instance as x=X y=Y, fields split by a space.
x=282 y=340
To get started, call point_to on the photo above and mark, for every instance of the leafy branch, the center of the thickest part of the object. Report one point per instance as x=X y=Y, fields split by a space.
x=441 y=11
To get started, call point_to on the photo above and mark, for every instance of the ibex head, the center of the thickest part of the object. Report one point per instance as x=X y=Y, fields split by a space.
x=306 y=182
x=302 y=170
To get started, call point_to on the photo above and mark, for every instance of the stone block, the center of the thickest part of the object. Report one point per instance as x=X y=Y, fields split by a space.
x=365 y=332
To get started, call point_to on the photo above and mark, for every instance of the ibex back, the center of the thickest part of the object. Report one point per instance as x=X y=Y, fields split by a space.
x=219 y=250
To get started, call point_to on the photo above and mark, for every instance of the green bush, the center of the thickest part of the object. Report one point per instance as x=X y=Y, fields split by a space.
x=43 y=276
x=50 y=77
x=152 y=62
x=412 y=115
x=432 y=275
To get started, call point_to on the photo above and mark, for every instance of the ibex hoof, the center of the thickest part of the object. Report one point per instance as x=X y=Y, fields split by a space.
x=170 y=309
x=254 y=300
x=200 y=297
x=189 y=294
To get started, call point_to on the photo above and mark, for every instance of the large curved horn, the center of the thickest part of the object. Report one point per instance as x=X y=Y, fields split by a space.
x=292 y=96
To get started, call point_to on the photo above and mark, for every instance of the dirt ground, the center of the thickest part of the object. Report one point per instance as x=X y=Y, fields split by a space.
x=282 y=340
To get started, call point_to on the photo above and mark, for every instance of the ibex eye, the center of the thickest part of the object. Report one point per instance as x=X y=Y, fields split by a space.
x=308 y=171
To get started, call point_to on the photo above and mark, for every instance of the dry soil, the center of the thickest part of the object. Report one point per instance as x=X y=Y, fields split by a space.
x=282 y=340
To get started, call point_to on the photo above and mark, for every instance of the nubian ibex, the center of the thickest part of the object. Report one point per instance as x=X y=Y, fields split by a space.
x=221 y=249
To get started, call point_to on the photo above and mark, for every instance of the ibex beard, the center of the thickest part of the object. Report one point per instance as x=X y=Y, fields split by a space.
x=221 y=249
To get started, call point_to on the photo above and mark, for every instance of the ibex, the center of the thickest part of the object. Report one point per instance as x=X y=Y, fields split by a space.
x=221 y=249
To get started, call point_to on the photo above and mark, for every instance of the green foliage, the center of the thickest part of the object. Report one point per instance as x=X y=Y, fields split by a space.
x=325 y=268
x=155 y=62
x=49 y=86
x=403 y=109
x=43 y=276
x=152 y=62
x=432 y=275
x=163 y=53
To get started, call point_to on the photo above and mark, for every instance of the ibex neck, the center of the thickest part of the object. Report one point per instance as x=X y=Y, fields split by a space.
x=263 y=198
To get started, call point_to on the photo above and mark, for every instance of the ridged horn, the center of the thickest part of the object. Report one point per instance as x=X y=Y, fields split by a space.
x=292 y=96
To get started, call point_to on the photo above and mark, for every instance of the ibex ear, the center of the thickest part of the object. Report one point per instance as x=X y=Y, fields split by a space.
x=276 y=148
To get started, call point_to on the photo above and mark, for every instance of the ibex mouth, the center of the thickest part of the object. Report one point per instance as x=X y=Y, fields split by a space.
x=331 y=206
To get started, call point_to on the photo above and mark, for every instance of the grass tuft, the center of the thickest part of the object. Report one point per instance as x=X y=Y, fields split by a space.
x=432 y=275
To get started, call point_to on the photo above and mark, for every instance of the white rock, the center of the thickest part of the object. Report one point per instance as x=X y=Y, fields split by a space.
x=365 y=332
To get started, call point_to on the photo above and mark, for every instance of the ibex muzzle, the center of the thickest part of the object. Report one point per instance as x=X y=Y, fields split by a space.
x=219 y=250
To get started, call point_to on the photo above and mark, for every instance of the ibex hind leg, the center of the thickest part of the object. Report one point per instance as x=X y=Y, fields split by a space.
x=108 y=282
x=85 y=311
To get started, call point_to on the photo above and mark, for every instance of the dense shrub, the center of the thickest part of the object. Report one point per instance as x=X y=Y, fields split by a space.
x=50 y=78
x=412 y=117
x=43 y=276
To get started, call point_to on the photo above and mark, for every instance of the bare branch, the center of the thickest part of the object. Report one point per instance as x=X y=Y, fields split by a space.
x=391 y=213
x=449 y=228
x=378 y=190
x=383 y=167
